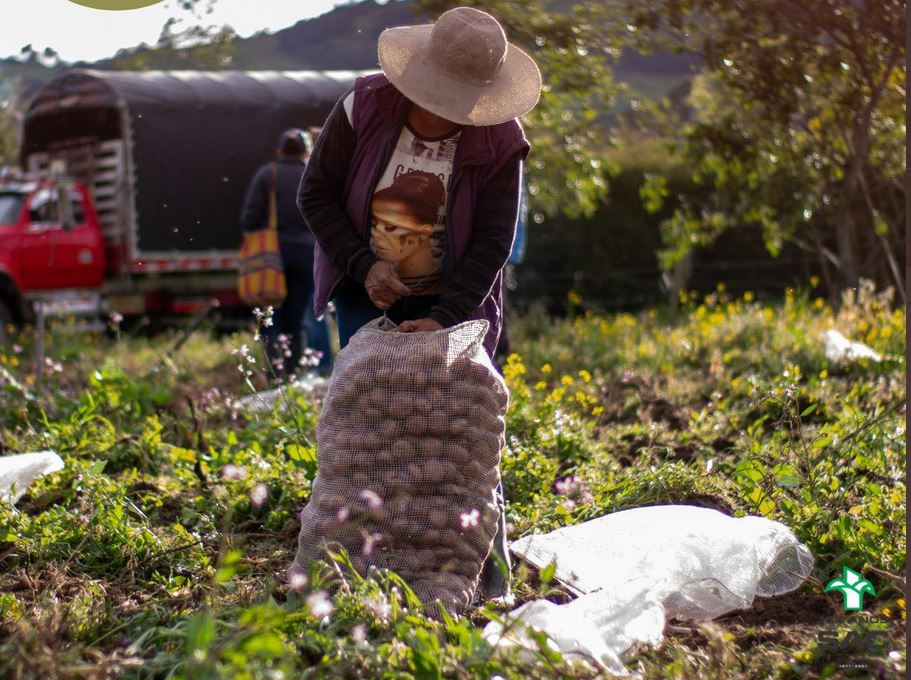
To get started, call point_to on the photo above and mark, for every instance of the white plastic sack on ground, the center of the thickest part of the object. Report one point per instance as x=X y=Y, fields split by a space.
x=261 y=402
x=635 y=568
x=839 y=348
x=18 y=471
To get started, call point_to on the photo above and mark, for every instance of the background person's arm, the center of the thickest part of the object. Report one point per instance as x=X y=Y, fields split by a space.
x=491 y=242
x=321 y=200
x=253 y=216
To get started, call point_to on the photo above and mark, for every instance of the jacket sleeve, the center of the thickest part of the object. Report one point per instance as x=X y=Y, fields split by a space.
x=493 y=232
x=321 y=199
x=253 y=215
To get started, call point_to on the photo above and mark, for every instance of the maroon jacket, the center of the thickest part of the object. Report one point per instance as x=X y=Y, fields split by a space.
x=341 y=176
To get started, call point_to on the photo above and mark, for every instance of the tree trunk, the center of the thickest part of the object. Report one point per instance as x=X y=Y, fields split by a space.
x=847 y=254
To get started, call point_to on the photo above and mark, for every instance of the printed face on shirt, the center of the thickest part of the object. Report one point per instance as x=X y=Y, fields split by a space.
x=397 y=233
x=404 y=216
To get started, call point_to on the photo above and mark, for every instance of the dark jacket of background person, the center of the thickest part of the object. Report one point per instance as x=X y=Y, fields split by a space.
x=337 y=188
x=255 y=213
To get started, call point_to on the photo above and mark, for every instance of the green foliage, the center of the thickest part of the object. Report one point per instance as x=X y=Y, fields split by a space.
x=797 y=128
x=149 y=556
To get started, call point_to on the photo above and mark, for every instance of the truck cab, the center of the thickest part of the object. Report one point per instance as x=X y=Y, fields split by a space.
x=50 y=243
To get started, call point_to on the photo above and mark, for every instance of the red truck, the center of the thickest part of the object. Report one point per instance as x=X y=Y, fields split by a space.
x=50 y=242
x=158 y=163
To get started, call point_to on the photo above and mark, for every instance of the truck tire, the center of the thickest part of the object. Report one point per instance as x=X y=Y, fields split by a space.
x=6 y=321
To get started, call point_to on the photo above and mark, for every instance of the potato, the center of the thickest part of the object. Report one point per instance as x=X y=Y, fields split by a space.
x=379 y=514
x=422 y=405
x=400 y=405
x=416 y=425
x=438 y=423
x=437 y=519
x=437 y=398
x=458 y=427
x=373 y=415
x=449 y=537
x=430 y=447
x=431 y=538
x=456 y=454
x=416 y=473
x=403 y=449
x=399 y=381
x=484 y=442
x=389 y=429
x=434 y=471
x=399 y=503
x=377 y=398
x=371 y=441
x=492 y=400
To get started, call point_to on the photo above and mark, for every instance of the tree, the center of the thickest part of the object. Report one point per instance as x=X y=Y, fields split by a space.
x=798 y=126
x=10 y=119
x=186 y=42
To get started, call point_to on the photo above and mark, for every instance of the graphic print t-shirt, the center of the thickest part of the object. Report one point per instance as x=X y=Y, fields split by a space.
x=408 y=211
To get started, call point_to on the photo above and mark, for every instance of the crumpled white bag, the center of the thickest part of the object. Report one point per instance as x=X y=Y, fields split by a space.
x=17 y=472
x=839 y=348
x=635 y=568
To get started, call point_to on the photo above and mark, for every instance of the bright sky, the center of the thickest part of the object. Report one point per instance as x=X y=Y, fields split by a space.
x=78 y=32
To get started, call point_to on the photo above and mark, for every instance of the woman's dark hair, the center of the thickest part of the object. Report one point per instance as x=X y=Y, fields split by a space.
x=295 y=142
x=421 y=191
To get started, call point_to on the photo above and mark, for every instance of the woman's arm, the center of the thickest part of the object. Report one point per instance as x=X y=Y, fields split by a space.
x=491 y=242
x=321 y=200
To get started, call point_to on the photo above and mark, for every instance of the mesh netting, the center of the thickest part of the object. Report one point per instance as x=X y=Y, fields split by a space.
x=409 y=442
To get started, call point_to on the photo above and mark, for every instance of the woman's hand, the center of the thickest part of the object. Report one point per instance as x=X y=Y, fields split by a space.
x=419 y=326
x=383 y=284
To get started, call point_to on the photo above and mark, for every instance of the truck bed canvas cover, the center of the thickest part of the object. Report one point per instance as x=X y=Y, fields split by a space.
x=193 y=139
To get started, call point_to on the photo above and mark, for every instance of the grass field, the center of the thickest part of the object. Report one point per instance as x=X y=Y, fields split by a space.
x=147 y=557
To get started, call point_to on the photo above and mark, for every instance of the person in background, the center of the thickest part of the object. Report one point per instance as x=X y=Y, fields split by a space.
x=445 y=106
x=283 y=337
x=509 y=276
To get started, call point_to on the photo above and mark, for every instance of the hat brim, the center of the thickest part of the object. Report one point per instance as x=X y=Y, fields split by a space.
x=514 y=92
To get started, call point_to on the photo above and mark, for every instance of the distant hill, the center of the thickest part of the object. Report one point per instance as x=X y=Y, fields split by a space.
x=343 y=38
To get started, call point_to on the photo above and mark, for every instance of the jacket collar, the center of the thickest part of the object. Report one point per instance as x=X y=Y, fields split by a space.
x=475 y=145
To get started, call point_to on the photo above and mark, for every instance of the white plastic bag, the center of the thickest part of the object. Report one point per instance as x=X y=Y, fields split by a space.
x=262 y=402
x=840 y=349
x=18 y=471
x=635 y=568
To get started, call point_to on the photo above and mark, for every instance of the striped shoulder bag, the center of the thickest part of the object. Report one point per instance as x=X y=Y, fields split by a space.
x=262 y=278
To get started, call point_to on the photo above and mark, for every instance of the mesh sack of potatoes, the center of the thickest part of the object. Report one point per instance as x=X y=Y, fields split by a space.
x=409 y=441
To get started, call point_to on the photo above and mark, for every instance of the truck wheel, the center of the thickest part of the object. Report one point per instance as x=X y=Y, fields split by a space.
x=6 y=321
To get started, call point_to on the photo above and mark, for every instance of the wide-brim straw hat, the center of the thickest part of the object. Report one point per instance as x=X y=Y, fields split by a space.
x=461 y=68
